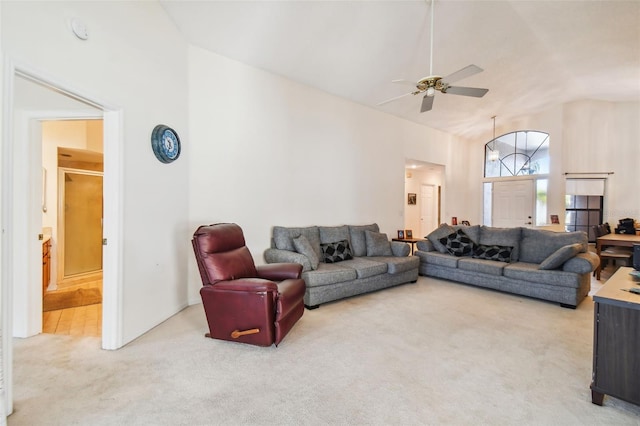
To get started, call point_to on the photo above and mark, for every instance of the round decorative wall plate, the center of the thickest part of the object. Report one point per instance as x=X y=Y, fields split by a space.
x=165 y=143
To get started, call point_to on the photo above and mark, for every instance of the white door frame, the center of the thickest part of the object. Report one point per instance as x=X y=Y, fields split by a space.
x=15 y=243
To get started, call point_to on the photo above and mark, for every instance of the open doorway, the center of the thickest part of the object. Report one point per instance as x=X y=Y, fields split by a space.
x=31 y=98
x=423 y=186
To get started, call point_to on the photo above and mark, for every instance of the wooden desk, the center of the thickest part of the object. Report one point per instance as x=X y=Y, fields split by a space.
x=616 y=340
x=411 y=241
x=620 y=240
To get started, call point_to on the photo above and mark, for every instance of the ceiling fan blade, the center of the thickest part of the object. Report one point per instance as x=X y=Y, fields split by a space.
x=405 y=82
x=465 y=72
x=427 y=103
x=395 y=99
x=466 y=91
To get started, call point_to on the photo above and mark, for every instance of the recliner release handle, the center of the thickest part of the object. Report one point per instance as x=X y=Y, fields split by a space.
x=237 y=333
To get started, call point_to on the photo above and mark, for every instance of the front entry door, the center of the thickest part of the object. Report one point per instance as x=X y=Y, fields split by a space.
x=512 y=204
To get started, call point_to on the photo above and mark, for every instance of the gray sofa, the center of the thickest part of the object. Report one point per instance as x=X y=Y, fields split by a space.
x=342 y=261
x=553 y=266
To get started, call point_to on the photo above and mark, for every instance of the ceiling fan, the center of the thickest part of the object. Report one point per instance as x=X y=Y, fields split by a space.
x=428 y=85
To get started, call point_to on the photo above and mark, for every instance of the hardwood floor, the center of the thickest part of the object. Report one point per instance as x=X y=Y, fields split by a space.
x=80 y=321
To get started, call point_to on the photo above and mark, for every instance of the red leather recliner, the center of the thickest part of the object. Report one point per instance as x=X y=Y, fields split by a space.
x=243 y=302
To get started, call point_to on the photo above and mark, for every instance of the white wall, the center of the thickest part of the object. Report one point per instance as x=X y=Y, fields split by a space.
x=414 y=179
x=134 y=60
x=274 y=152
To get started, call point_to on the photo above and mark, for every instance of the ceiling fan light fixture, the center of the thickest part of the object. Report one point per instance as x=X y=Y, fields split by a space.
x=431 y=91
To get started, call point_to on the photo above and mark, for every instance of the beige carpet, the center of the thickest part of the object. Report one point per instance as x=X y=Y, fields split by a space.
x=433 y=352
x=57 y=300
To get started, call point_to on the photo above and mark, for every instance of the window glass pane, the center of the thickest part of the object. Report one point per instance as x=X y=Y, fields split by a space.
x=569 y=201
x=594 y=201
x=486 y=212
x=517 y=154
x=583 y=229
x=541 y=201
x=581 y=201
x=582 y=217
x=570 y=218
x=594 y=217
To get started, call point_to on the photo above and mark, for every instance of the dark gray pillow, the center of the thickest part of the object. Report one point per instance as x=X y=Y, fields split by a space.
x=440 y=232
x=336 y=252
x=493 y=252
x=303 y=246
x=458 y=243
x=558 y=257
x=377 y=244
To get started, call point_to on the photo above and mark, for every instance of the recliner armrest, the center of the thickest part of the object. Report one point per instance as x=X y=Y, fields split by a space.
x=252 y=285
x=279 y=271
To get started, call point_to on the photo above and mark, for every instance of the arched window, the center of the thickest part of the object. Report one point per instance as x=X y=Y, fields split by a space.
x=525 y=152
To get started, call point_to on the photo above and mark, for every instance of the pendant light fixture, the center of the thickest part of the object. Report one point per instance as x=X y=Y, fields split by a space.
x=494 y=154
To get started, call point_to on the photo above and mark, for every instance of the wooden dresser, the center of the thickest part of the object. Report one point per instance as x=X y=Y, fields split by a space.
x=616 y=342
x=46 y=264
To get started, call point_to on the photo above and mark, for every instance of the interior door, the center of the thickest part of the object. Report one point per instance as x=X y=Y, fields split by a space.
x=81 y=219
x=512 y=203
x=428 y=216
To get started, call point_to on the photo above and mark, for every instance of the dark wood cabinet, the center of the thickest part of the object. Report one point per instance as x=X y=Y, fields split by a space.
x=616 y=346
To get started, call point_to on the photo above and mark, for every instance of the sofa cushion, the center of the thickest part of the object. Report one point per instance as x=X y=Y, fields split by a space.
x=440 y=232
x=494 y=252
x=537 y=244
x=358 y=241
x=558 y=257
x=530 y=273
x=458 y=243
x=437 y=258
x=400 y=249
x=283 y=237
x=366 y=267
x=336 y=251
x=397 y=265
x=331 y=234
x=425 y=245
x=377 y=244
x=482 y=266
x=303 y=246
x=329 y=273
x=510 y=237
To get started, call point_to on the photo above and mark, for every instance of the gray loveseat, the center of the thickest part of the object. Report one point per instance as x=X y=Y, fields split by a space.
x=553 y=266
x=342 y=261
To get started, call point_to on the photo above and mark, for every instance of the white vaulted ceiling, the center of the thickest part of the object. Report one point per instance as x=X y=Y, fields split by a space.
x=535 y=54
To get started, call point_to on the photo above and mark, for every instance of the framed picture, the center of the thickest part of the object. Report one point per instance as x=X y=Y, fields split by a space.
x=411 y=198
x=465 y=223
x=401 y=233
x=408 y=233
x=554 y=218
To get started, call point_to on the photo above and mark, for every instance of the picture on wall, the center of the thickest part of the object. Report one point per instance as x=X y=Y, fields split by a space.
x=411 y=198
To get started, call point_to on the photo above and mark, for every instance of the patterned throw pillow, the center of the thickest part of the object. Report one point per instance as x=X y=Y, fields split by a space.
x=336 y=252
x=458 y=243
x=493 y=252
